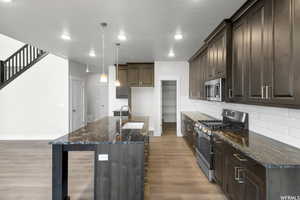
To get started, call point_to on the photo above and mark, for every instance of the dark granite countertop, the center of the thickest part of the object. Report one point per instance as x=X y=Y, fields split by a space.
x=266 y=151
x=106 y=130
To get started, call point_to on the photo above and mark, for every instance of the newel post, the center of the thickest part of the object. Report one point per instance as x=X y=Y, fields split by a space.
x=1 y=71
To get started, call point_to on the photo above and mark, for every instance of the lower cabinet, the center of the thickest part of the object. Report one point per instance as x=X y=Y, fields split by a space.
x=219 y=162
x=240 y=177
x=188 y=131
x=253 y=187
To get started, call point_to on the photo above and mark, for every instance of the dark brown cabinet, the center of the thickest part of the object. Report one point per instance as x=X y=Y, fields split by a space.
x=197 y=74
x=141 y=75
x=283 y=24
x=123 y=91
x=239 y=63
x=218 y=51
x=219 y=162
x=211 y=61
x=188 y=132
x=253 y=186
x=257 y=47
x=249 y=69
x=264 y=54
x=240 y=177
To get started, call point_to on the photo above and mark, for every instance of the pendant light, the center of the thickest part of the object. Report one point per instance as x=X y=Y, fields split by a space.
x=87 y=70
x=103 y=76
x=117 y=83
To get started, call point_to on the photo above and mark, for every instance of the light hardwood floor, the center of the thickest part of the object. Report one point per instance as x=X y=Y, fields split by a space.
x=25 y=172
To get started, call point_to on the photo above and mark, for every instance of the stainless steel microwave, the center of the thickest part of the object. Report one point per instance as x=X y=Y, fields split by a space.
x=214 y=89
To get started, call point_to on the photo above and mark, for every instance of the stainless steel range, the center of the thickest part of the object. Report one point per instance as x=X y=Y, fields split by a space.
x=232 y=121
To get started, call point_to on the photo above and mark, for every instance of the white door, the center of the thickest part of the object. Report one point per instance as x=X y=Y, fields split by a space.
x=77 y=112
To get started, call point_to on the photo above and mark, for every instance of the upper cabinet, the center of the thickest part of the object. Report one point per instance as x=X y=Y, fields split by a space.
x=257 y=52
x=282 y=85
x=264 y=54
x=122 y=92
x=211 y=61
x=141 y=74
x=197 y=74
x=218 y=51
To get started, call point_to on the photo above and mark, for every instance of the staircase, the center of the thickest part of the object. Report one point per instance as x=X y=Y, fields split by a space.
x=18 y=63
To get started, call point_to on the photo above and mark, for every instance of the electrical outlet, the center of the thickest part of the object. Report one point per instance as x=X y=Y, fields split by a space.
x=103 y=157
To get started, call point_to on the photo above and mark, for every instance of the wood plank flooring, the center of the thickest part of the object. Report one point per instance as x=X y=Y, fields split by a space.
x=174 y=174
x=25 y=172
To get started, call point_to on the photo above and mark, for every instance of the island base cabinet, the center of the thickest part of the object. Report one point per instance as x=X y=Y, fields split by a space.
x=121 y=177
x=118 y=170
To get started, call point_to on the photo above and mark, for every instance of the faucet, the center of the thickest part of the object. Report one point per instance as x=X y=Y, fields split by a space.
x=121 y=110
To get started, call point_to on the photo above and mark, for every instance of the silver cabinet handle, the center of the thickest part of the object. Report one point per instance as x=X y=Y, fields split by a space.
x=268 y=92
x=237 y=156
x=230 y=93
x=237 y=174
x=263 y=92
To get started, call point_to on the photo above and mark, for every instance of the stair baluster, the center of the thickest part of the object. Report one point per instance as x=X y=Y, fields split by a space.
x=19 y=62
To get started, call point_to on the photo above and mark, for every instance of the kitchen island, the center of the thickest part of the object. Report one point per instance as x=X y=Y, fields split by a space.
x=119 y=158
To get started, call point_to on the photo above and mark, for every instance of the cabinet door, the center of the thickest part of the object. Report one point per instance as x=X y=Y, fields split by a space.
x=284 y=19
x=219 y=162
x=254 y=187
x=257 y=46
x=234 y=189
x=146 y=75
x=211 y=58
x=202 y=73
x=133 y=76
x=220 y=59
x=123 y=76
x=193 y=78
x=198 y=77
x=239 y=61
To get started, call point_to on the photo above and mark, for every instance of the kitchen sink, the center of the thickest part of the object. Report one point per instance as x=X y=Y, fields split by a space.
x=133 y=125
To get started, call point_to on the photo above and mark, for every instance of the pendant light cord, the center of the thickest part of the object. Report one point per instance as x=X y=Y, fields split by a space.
x=117 y=62
x=103 y=50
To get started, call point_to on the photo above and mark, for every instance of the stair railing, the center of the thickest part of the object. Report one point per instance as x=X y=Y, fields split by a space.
x=17 y=63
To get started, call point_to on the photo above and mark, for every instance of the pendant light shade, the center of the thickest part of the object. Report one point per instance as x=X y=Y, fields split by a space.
x=117 y=82
x=103 y=76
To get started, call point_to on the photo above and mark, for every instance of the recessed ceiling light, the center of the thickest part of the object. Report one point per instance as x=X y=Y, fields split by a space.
x=6 y=1
x=92 y=53
x=65 y=36
x=178 y=36
x=122 y=37
x=171 y=54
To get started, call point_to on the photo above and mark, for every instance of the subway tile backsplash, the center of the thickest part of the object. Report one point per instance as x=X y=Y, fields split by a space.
x=281 y=124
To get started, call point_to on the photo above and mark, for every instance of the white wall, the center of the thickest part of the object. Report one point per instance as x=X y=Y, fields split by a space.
x=36 y=104
x=113 y=102
x=142 y=103
x=8 y=46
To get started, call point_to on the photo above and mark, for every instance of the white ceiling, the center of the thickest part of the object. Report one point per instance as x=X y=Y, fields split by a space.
x=149 y=25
